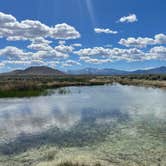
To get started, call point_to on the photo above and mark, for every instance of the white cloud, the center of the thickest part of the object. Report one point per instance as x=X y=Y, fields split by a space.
x=62 y=42
x=64 y=32
x=160 y=38
x=93 y=51
x=94 y=60
x=77 y=45
x=39 y=47
x=129 y=19
x=2 y=64
x=52 y=53
x=16 y=54
x=143 y=42
x=99 y=55
x=6 y=18
x=64 y=49
x=31 y=63
x=112 y=53
x=71 y=63
x=40 y=44
x=96 y=55
x=136 y=42
x=158 y=50
x=43 y=49
x=107 y=31
x=158 y=53
x=40 y=40
x=17 y=62
x=11 y=29
x=39 y=51
x=11 y=52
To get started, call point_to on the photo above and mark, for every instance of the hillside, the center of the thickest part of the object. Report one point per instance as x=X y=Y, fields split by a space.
x=35 y=70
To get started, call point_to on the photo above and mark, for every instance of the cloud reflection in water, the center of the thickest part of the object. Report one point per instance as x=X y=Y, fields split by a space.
x=34 y=115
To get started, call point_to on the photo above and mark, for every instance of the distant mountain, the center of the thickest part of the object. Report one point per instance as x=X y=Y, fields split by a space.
x=159 y=70
x=35 y=70
x=95 y=71
x=43 y=70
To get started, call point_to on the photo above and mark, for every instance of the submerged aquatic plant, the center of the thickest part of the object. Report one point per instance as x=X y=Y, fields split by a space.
x=76 y=164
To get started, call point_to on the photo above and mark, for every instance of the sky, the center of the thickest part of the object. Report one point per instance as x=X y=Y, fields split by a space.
x=75 y=34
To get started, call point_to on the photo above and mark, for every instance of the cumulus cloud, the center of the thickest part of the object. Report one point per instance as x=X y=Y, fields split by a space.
x=40 y=44
x=64 y=49
x=2 y=64
x=42 y=51
x=64 y=32
x=6 y=18
x=158 y=53
x=95 y=60
x=77 y=45
x=160 y=38
x=136 y=42
x=143 y=42
x=158 y=50
x=11 y=29
x=62 y=42
x=104 y=55
x=11 y=52
x=39 y=47
x=96 y=55
x=71 y=63
x=112 y=54
x=42 y=40
x=129 y=19
x=31 y=63
x=42 y=56
x=51 y=54
x=107 y=31
x=93 y=51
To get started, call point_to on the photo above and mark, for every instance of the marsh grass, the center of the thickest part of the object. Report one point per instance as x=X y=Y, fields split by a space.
x=26 y=86
x=21 y=93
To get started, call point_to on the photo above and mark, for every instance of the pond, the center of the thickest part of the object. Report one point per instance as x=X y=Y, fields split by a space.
x=108 y=124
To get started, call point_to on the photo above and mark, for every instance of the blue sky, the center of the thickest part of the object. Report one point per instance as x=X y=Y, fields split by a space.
x=73 y=34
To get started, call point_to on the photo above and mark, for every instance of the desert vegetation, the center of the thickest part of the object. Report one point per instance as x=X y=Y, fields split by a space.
x=25 y=86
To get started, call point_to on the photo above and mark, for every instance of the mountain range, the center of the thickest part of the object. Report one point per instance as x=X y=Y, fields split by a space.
x=44 y=70
x=109 y=71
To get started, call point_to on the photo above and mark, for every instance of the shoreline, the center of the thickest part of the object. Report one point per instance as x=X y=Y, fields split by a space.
x=36 y=86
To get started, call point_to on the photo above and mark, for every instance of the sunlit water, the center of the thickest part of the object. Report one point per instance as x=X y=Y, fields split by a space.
x=35 y=115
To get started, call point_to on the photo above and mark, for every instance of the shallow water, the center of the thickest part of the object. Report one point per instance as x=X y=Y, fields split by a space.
x=64 y=110
x=111 y=124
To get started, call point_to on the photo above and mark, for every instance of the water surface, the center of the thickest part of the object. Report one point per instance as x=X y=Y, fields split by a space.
x=63 y=110
x=85 y=116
